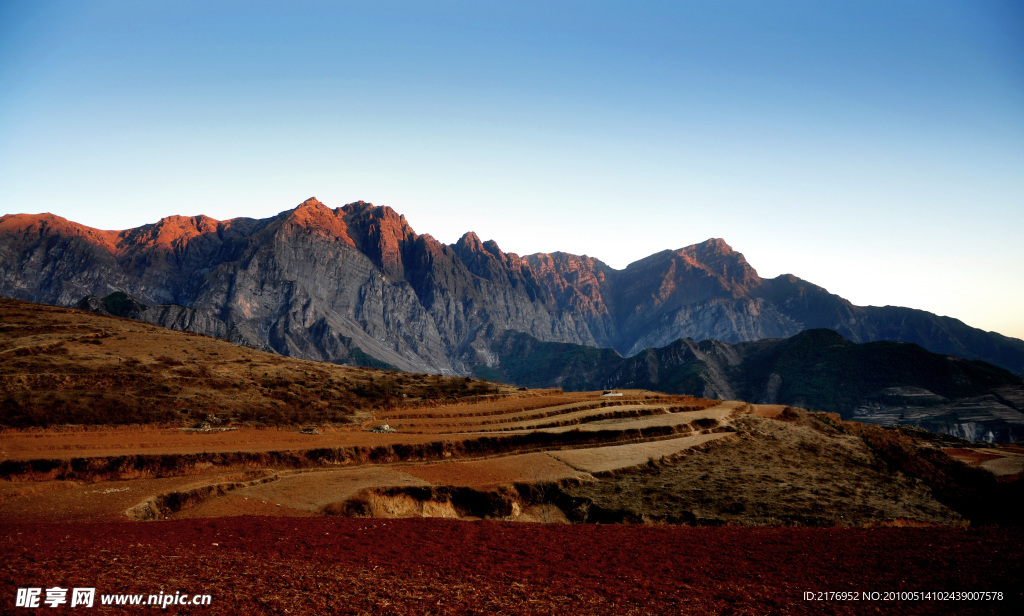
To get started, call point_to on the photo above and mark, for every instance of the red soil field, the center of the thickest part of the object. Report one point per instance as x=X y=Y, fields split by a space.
x=971 y=456
x=99 y=442
x=410 y=566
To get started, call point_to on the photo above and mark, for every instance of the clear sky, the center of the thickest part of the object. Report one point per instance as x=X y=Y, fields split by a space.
x=873 y=148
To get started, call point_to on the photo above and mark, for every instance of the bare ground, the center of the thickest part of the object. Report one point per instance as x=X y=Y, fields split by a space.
x=321 y=566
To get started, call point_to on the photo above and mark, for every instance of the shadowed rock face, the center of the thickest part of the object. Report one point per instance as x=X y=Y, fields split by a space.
x=340 y=284
x=884 y=383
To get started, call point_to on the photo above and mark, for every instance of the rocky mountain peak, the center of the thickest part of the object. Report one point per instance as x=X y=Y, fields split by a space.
x=363 y=215
x=469 y=244
x=719 y=260
x=469 y=241
x=313 y=216
x=46 y=224
x=492 y=247
x=358 y=206
x=380 y=233
x=716 y=244
x=483 y=259
x=170 y=233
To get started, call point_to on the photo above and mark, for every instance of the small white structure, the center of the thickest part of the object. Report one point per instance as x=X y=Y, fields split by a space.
x=383 y=428
x=611 y=394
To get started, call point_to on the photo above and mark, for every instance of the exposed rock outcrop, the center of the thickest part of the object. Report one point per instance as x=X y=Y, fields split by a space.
x=358 y=282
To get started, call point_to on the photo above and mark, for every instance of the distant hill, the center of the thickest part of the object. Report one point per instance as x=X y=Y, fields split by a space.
x=357 y=284
x=878 y=382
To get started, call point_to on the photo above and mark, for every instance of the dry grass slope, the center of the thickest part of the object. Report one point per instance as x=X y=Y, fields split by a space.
x=60 y=366
x=482 y=450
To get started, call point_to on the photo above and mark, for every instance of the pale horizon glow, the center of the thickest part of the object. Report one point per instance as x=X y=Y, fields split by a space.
x=875 y=149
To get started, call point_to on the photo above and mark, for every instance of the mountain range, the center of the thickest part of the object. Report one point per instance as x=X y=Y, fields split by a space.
x=358 y=285
x=884 y=383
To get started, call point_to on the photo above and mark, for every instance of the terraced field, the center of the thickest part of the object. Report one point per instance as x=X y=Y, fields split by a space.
x=425 y=460
x=228 y=448
x=540 y=411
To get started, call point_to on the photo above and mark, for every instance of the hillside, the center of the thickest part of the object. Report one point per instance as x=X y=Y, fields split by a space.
x=62 y=366
x=878 y=382
x=885 y=383
x=357 y=284
x=182 y=426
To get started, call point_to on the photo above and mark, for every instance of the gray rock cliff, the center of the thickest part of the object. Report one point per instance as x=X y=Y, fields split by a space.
x=357 y=281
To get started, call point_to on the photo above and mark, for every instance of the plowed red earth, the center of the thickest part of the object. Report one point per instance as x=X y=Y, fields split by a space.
x=409 y=566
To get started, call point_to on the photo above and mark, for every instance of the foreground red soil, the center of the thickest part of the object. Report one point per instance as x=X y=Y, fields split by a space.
x=410 y=566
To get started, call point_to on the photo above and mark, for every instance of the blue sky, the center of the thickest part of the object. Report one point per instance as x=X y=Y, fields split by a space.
x=873 y=148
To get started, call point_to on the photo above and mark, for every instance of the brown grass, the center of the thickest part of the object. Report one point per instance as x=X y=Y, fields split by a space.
x=970 y=456
x=785 y=467
x=63 y=366
x=778 y=472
